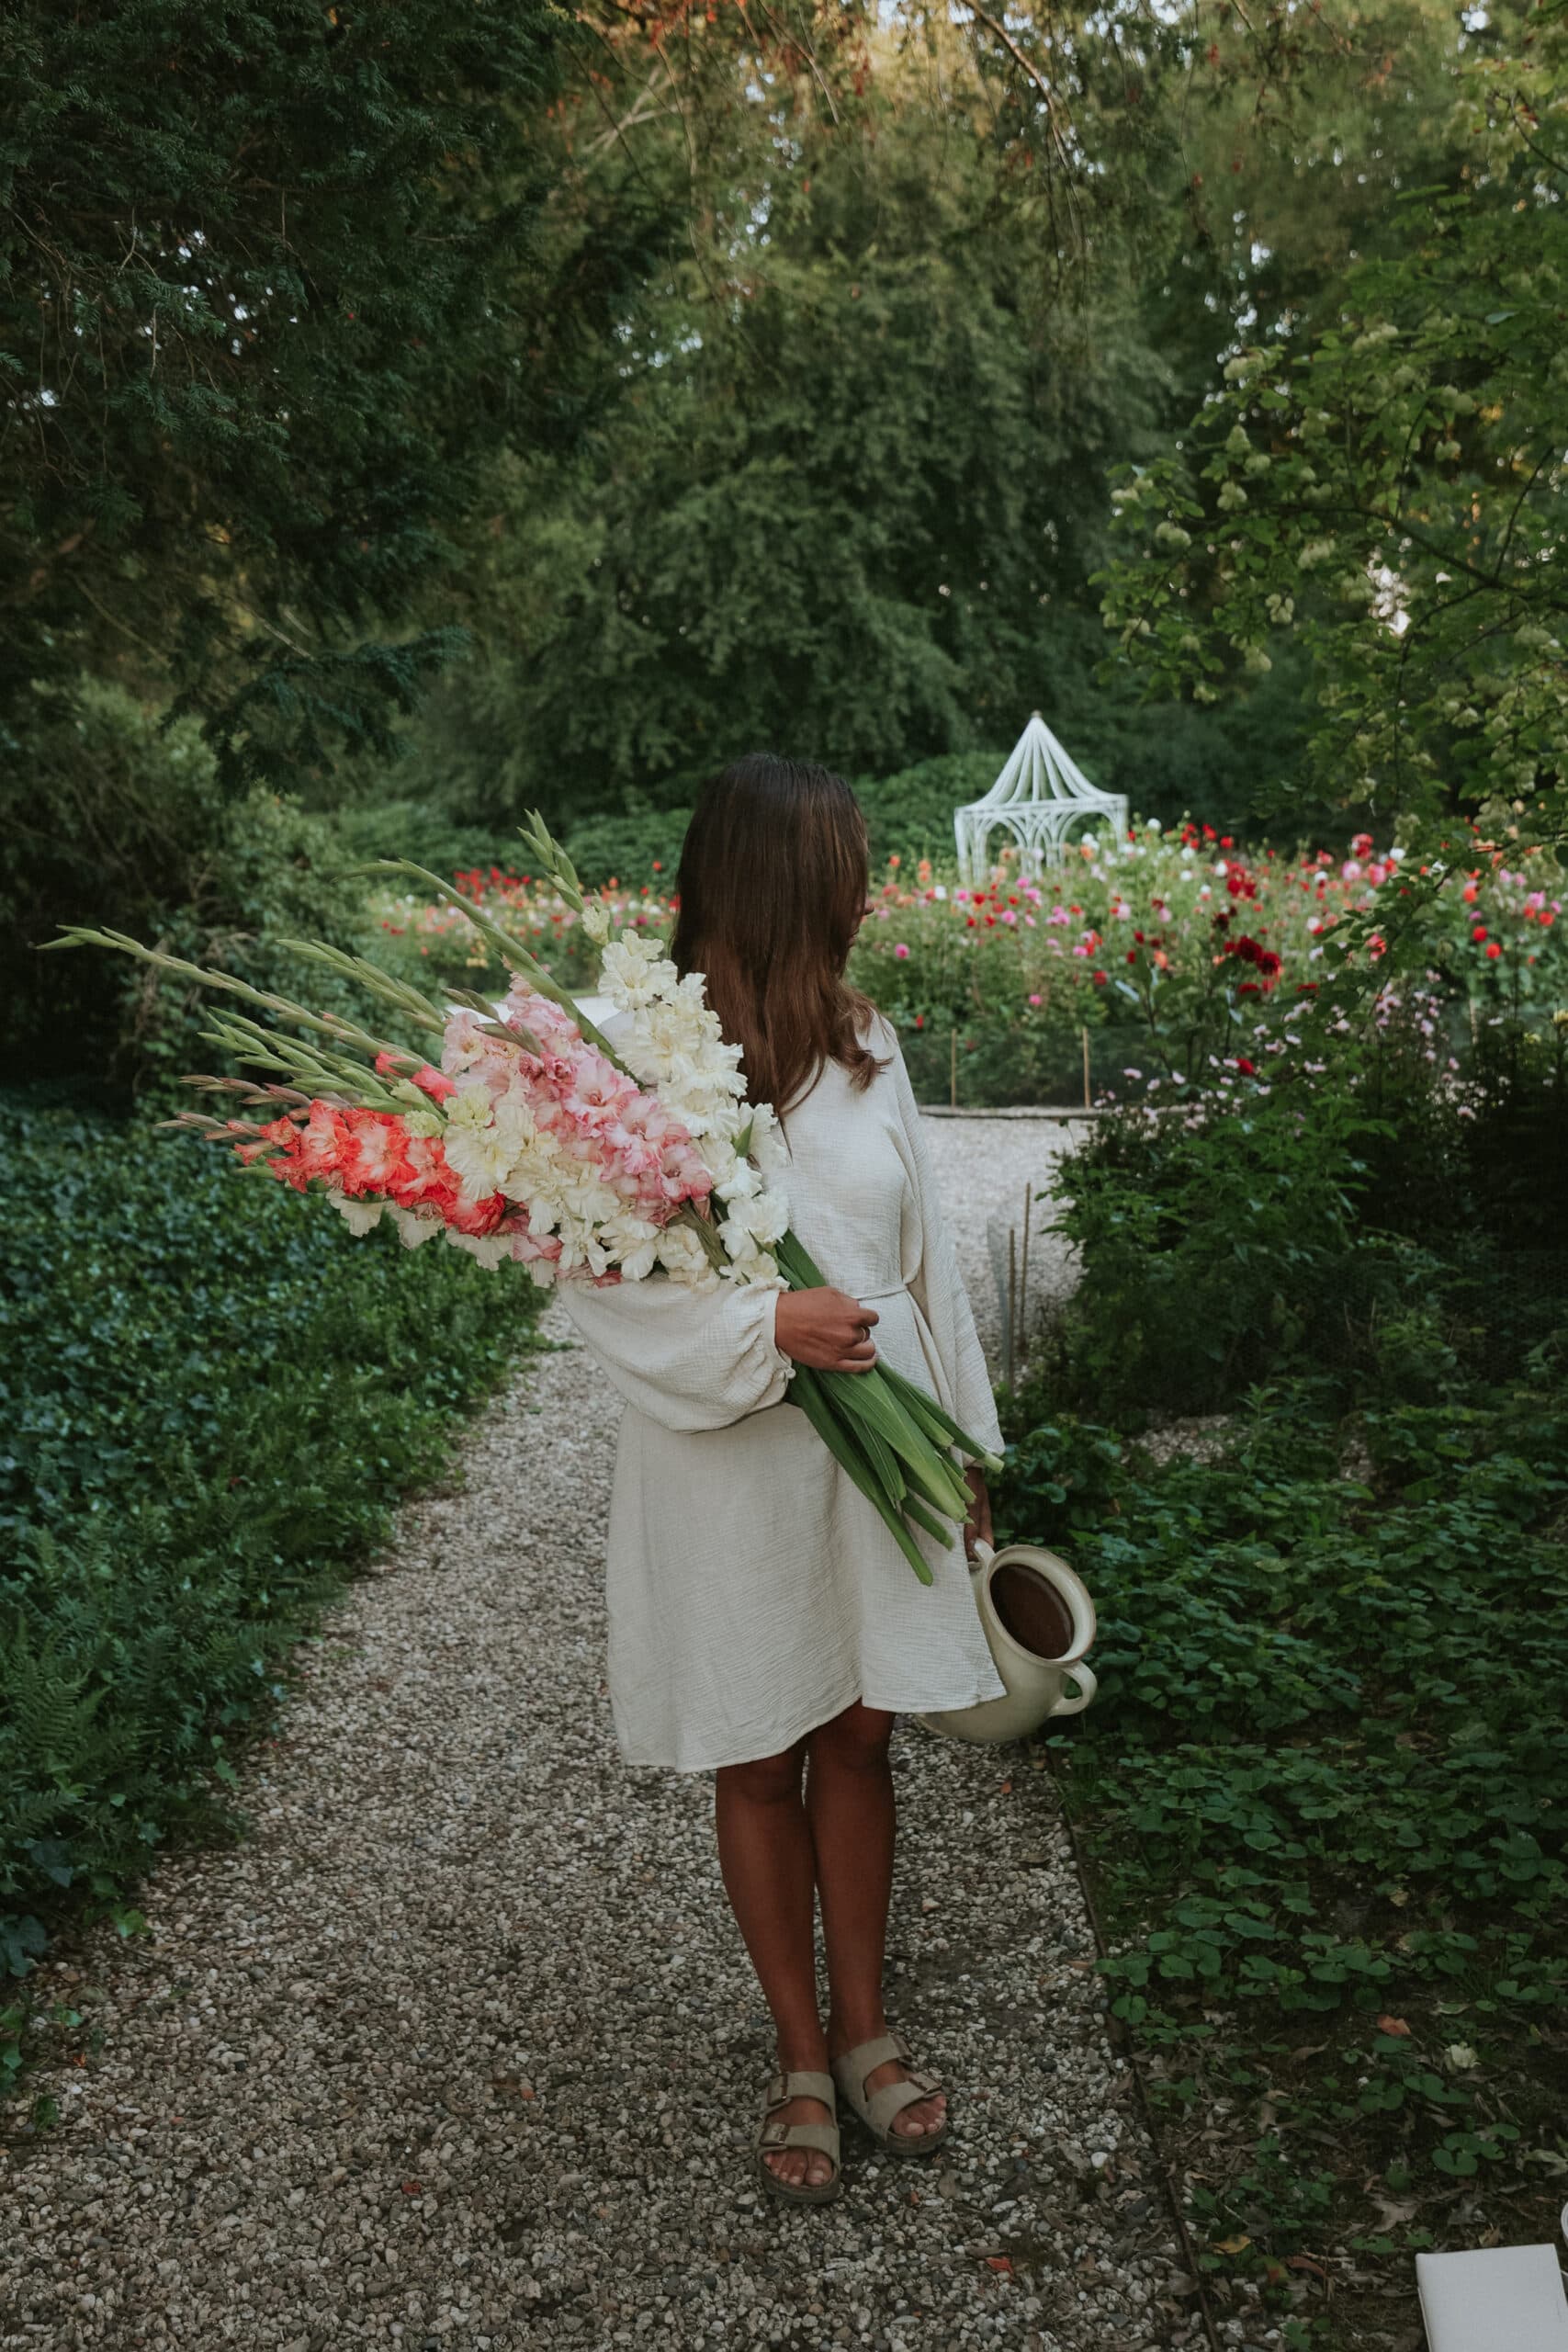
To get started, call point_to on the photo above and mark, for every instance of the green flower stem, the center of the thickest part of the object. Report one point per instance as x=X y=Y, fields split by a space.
x=515 y=957
x=328 y=1024
x=932 y=1522
x=400 y=994
x=939 y=1423
x=806 y=1391
x=553 y=859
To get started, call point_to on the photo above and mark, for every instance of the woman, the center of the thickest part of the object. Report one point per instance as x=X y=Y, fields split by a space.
x=763 y=1624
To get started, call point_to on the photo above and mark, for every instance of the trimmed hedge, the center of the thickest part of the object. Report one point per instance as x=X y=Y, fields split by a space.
x=210 y=1395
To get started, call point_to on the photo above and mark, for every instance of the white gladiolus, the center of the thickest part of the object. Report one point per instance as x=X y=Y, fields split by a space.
x=634 y=971
x=359 y=1216
x=684 y=1258
x=674 y=1044
x=412 y=1230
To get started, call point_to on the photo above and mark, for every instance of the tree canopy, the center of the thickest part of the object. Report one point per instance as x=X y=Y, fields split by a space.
x=252 y=259
x=471 y=409
x=1385 y=487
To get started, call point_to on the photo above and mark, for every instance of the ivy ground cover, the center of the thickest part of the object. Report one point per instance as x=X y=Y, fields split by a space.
x=1322 y=1807
x=210 y=1397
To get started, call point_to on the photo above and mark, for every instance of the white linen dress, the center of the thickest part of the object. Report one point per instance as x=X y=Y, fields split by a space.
x=753 y=1592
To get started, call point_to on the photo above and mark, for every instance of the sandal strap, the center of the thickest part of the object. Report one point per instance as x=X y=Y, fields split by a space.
x=879 y=2108
x=803 y=2084
x=856 y=2065
x=822 y=2137
x=894 y=2097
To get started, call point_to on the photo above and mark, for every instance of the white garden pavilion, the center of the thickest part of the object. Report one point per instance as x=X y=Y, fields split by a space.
x=1040 y=797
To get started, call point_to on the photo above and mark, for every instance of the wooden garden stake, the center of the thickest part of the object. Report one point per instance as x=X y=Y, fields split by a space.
x=952 y=1070
x=1024 y=1274
x=1012 y=1294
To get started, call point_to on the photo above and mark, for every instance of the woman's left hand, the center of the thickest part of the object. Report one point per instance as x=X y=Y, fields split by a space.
x=977 y=1526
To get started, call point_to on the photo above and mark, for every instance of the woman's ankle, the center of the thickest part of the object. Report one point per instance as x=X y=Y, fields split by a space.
x=803 y=2052
x=849 y=2027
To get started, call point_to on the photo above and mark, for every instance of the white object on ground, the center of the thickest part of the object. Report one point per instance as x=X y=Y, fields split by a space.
x=1493 y=2299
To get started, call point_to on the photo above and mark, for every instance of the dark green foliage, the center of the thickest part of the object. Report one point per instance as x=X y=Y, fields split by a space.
x=422 y=832
x=210 y=1395
x=909 y=815
x=1374 y=1219
x=848 y=517
x=247 y=251
x=1321 y=1796
x=1213 y=1251
x=643 y=844
x=261 y=301
x=1408 y=443
x=131 y=830
x=1323 y=1789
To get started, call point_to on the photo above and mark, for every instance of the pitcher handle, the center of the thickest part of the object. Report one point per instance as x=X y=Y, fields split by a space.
x=1084 y=1677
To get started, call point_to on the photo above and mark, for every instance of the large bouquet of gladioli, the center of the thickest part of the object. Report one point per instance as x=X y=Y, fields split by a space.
x=520 y=1134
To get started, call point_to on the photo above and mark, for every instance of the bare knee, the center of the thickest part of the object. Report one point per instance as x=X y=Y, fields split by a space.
x=856 y=1740
x=766 y=1780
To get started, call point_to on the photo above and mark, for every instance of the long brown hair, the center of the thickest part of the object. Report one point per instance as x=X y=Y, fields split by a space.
x=773 y=886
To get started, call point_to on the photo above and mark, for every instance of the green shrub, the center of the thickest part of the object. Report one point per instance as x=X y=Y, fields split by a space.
x=909 y=815
x=641 y=845
x=1213 y=1245
x=123 y=825
x=423 y=831
x=210 y=1395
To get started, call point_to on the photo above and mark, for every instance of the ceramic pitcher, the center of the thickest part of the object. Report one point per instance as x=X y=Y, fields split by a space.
x=1059 y=1616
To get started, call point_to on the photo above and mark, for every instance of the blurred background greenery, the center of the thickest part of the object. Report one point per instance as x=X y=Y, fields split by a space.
x=411 y=421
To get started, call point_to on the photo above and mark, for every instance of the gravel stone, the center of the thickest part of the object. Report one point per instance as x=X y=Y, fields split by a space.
x=459 y=2047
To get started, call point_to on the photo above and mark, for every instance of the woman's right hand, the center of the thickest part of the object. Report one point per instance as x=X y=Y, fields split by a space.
x=825 y=1328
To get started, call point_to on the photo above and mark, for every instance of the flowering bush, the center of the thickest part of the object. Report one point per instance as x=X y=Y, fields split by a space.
x=1167 y=946
x=1174 y=941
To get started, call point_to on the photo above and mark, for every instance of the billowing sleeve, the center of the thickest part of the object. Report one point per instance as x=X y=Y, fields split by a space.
x=691 y=1360
x=936 y=1284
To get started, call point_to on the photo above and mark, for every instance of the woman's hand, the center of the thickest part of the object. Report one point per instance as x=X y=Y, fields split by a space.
x=977 y=1526
x=825 y=1328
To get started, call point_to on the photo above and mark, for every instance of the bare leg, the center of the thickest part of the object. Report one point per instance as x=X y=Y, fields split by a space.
x=849 y=1805
x=765 y=1855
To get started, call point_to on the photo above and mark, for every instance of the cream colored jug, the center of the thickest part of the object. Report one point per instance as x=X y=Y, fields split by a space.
x=1035 y=1684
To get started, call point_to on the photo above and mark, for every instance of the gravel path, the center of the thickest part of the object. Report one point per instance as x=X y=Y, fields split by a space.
x=986 y=1166
x=460 y=2043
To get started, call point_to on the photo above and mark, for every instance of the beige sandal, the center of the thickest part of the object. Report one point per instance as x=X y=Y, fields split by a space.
x=774 y=2135
x=877 y=2111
